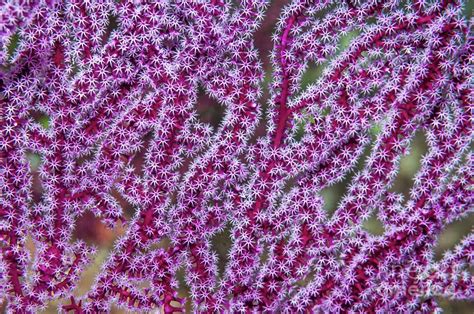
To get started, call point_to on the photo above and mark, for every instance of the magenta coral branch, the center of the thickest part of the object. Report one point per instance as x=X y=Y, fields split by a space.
x=283 y=111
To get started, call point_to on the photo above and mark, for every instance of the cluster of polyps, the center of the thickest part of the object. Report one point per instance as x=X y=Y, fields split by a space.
x=110 y=74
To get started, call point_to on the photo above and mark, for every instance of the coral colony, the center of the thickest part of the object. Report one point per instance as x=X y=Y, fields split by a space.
x=115 y=78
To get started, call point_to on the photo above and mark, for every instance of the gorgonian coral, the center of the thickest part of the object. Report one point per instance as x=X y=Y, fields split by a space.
x=118 y=77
